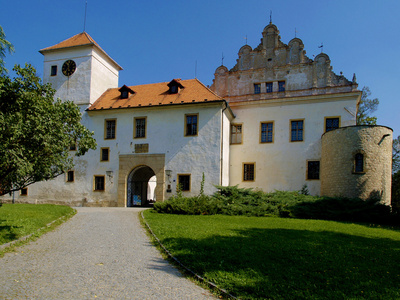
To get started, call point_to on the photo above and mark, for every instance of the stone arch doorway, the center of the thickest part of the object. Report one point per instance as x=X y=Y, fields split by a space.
x=141 y=183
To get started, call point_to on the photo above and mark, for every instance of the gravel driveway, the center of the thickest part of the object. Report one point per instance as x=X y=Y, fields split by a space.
x=100 y=253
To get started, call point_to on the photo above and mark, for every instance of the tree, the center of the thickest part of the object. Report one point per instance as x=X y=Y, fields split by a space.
x=36 y=132
x=4 y=47
x=396 y=155
x=366 y=108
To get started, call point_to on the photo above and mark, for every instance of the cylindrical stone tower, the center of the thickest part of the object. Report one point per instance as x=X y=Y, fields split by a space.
x=356 y=161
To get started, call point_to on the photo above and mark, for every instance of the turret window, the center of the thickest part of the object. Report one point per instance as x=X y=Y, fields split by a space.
x=359 y=163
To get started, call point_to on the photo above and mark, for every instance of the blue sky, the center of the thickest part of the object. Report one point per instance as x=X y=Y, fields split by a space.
x=156 y=41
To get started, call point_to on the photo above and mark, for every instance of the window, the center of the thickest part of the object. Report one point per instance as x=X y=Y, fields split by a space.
x=124 y=94
x=184 y=182
x=140 y=128
x=332 y=123
x=267 y=132
x=104 y=154
x=191 y=124
x=296 y=131
x=72 y=147
x=110 y=129
x=99 y=182
x=236 y=133
x=70 y=176
x=281 y=86
x=313 y=169
x=53 y=70
x=24 y=192
x=359 y=163
x=257 y=88
x=248 y=172
x=173 y=89
x=269 y=87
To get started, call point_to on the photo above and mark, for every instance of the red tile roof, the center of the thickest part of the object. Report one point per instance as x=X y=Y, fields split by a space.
x=156 y=94
x=81 y=39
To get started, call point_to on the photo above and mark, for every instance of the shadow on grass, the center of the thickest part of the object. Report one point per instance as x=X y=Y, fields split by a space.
x=295 y=264
x=7 y=233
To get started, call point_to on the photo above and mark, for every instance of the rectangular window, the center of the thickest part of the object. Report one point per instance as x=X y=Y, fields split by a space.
x=140 y=128
x=104 y=154
x=267 y=132
x=72 y=147
x=236 y=133
x=257 y=88
x=70 y=176
x=191 y=124
x=99 y=183
x=332 y=123
x=313 y=170
x=24 y=192
x=53 y=70
x=110 y=128
x=281 y=86
x=269 y=87
x=359 y=163
x=248 y=172
x=184 y=182
x=296 y=131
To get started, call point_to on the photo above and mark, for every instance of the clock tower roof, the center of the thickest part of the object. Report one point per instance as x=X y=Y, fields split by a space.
x=78 y=40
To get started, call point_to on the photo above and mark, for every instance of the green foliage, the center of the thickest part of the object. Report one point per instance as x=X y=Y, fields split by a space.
x=36 y=131
x=235 y=201
x=396 y=193
x=366 y=108
x=396 y=155
x=5 y=46
x=273 y=258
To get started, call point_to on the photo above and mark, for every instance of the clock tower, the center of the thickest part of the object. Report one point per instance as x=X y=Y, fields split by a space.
x=79 y=70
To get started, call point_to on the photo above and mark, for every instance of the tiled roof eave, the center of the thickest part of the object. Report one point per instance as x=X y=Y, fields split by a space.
x=156 y=105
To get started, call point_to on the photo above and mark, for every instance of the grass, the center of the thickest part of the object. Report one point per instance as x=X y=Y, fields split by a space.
x=275 y=258
x=19 y=220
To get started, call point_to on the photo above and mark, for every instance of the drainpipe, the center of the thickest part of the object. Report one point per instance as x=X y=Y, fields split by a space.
x=222 y=143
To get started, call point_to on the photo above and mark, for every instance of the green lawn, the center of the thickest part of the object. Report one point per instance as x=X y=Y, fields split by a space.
x=257 y=257
x=19 y=220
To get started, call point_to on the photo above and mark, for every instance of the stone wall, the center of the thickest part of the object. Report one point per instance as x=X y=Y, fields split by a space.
x=339 y=176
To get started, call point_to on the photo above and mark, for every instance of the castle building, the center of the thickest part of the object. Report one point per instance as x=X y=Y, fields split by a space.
x=275 y=121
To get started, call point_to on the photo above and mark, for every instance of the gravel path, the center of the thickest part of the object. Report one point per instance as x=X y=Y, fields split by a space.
x=100 y=253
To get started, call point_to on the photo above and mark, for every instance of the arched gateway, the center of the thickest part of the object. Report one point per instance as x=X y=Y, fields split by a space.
x=140 y=189
x=135 y=172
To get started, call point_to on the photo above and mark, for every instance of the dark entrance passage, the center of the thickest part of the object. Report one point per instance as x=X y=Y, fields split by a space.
x=141 y=185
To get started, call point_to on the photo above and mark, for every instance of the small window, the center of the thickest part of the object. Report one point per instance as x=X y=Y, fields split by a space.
x=191 y=125
x=173 y=89
x=296 y=131
x=313 y=170
x=257 y=88
x=110 y=129
x=24 y=192
x=184 y=182
x=269 y=87
x=248 y=172
x=140 y=128
x=99 y=183
x=331 y=124
x=359 y=163
x=53 y=70
x=267 y=132
x=70 y=176
x=72 y=147
x=236 y=133
x=104 y=155
x=124 y=94
x=281 y=86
